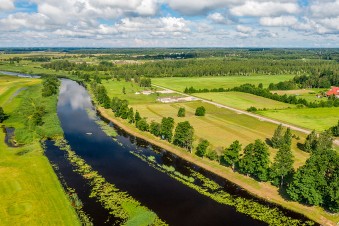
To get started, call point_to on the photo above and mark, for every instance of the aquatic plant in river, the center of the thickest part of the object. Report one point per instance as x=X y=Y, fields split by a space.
x=120 y=204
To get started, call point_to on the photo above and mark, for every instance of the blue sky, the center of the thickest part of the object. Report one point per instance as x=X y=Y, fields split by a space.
x=169 y=23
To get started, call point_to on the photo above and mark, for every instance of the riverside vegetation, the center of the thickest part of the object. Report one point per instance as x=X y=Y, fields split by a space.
x=29 y=189
x=119 y=203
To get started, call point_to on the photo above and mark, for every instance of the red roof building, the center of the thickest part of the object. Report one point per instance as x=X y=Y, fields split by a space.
x=334 y=91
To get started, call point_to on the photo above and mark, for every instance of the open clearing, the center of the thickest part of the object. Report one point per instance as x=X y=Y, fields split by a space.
x=180 y=83
x=243 y=100
x=30 y=192
x=310 y=118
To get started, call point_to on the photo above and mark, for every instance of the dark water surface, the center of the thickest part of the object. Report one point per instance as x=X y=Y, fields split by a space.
x=172 y=201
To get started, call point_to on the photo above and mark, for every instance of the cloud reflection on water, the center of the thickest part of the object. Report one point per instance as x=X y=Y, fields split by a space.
x=79 y=97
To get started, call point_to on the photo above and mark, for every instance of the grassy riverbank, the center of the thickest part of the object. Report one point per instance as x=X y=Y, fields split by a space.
x=30 y=192
x=263 y=190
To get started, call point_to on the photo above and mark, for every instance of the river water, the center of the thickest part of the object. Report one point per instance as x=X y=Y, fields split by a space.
x=171 y=200
x=115 y=160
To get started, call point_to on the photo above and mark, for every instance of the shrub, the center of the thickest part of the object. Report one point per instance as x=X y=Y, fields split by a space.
x=200 y=111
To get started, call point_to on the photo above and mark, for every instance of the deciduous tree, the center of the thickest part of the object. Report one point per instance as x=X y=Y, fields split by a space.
x=183 y=136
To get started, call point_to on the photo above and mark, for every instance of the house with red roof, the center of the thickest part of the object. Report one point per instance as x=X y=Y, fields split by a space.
x=333 y=91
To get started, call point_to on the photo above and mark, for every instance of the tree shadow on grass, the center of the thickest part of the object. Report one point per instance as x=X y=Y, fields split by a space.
x=268 y=142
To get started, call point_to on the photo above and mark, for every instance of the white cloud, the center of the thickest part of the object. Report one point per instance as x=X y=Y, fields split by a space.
x=325 y=9
x=255 y=8
x=147 y=22
x=163 y=24
x=281 y=21
x=244 y=29
x=192 y=7
x=6 y=5
x=218 y=18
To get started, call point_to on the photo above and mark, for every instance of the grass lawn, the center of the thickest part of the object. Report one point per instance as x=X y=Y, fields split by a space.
x=30 y=193
x=310 y=118
x=243 y=100
x=180 y=83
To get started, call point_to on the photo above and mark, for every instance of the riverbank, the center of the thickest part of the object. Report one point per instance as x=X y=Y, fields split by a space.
x=261 y=190
x=30 y=192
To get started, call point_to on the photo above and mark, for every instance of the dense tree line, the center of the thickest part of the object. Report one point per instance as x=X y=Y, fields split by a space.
x=222 y=67
x=100 y=94
x=315 y=183
x=66 y=65
x=323 y=79
x=201 y=67
x=182 y=136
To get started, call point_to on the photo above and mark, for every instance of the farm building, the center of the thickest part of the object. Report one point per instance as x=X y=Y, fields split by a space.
x=333 y=91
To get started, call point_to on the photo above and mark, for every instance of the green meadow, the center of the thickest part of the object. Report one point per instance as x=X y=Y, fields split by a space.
x=243 y=100
x=180 y=83
x=30 y=192
x=311 y=118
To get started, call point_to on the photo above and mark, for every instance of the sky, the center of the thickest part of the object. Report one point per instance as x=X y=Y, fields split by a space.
x=169 y=23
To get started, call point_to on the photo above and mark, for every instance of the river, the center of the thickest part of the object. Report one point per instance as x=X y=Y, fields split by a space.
x=171 y=200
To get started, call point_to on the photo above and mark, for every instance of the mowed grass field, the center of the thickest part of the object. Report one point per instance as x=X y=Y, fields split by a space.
x=319 y=119
x=180 y=83
x=30 y=192
x=243 y=100
x=219 y=126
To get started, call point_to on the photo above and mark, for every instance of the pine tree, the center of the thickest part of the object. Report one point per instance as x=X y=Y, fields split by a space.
x=287 y=139
x=311 y=142
x=137 y=116
x=277 y=137
x=325 y=141
x=282 y=165
x=130 y=115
